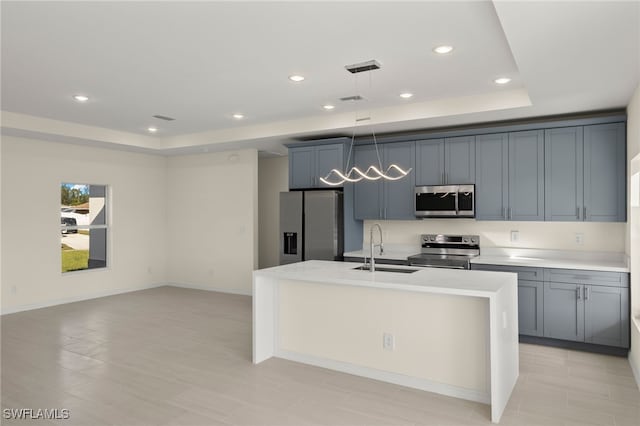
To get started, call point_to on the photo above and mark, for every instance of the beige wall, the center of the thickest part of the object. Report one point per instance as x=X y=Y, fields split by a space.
x=212 y=202
x=633 y=229
x=440 y=338
x=32 y=172
x=542 y=235
x=273 y=177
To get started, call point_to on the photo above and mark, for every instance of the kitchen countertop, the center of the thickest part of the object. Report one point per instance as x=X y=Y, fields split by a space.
x=391 y=252
x=535 y=258
x=430 y=280
x=562 y=259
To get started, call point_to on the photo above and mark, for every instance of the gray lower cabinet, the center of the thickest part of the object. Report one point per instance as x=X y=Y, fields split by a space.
x=530 y=311
x=571 y=304
x=606 y=319
x=510 y=176
x=530 y=297
x=383 y=199
x=563 y=311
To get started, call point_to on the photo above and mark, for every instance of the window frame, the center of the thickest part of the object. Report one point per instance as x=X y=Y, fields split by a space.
x=106 y=226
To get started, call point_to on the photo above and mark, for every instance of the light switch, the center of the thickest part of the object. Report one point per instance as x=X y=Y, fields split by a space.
x=515 y=236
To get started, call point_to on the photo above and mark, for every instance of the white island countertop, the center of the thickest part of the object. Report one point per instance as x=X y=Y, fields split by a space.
x=457 y=330
x=431 y=280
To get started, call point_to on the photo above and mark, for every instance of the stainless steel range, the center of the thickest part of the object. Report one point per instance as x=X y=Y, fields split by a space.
x=446 y=251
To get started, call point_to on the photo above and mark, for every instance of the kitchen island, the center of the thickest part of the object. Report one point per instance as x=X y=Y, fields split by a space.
x=447 y=331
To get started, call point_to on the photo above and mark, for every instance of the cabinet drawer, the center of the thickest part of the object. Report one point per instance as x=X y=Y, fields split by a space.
x=524 y=272
x=578 y=276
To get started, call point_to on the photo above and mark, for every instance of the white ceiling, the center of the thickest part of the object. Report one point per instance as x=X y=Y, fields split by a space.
x=201 y=62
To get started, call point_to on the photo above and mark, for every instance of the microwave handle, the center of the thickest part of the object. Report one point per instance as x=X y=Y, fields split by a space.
x=457 y=209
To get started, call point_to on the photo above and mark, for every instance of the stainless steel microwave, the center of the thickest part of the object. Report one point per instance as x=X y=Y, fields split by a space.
x=445 y=201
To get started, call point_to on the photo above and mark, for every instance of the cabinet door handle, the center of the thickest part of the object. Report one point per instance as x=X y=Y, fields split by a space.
x=577 y=212
x=446 y=177
x=578 y=293
x=442 y=178
x=385 y=212
x=510 y=213
x=504 y=212
x=586 y=293
x=584 y=213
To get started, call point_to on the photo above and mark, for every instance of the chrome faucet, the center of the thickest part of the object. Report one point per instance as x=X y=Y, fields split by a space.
x=373 y=246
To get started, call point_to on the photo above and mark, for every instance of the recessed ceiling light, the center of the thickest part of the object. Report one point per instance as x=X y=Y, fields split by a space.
x=296 y=78
x=406 y=95
x=81 y=98
x=442 y=50
x=152 y=129
x=238 y=116
x=328 y=107
x=502 y=80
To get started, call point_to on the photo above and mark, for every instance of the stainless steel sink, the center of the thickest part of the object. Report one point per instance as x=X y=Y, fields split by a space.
x=383 y=269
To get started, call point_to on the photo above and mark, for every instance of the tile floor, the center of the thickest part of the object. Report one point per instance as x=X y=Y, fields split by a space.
x=173 y=356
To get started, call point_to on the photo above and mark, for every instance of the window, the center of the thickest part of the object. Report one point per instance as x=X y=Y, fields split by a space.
x=83 y=226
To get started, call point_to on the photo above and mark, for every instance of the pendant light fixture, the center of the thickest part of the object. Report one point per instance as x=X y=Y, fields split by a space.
x=375 y=171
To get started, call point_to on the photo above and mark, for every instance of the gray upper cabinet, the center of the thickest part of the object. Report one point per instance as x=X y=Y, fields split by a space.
x=308 y=163
x=430 y=165
x=605 y=173
x=367 y=194
x=526 y=175
x=301 y=161
x=460 y=160
x=383 y=199
x=510 y=176
x=448 y=161
x=399 y=194
x=492 y=176
x=563 y=174
x=585 y=173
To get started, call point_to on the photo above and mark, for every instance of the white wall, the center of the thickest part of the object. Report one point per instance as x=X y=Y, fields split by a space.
x=212 y=202
x=438 y=337
x=32 y=172
x=273 y=177
x=633 y=229
x=541 y=235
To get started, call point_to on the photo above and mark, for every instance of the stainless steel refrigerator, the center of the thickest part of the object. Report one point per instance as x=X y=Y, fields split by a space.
x=311 y=226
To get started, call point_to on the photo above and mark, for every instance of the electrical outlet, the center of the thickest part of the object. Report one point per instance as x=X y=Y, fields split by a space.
x=515 y=236
x=579 y=238
x=388 y=342
x=14 y=290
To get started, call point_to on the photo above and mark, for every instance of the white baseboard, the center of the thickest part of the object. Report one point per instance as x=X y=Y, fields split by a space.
x=389 y=377
x=209 y=288
x=66 y=300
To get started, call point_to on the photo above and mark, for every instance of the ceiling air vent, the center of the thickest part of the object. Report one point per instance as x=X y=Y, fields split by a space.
x=352 y=98
x=163 y=117
x=363 y=66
